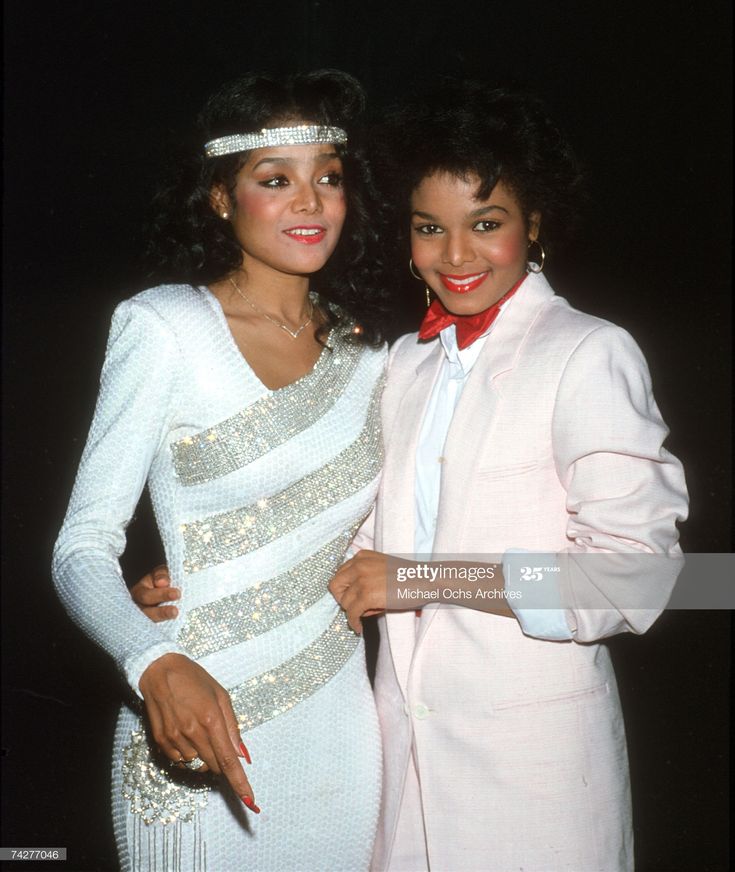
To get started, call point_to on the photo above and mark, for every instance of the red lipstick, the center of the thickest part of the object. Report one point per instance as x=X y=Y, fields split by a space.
x=463 y=284
x=307 y=234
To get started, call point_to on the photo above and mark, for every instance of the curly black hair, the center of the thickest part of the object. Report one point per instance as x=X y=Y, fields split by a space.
x=469 y=128
x=189 y=242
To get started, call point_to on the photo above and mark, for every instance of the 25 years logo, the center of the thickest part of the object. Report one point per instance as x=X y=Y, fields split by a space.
x=536 y=573
x=531 y=573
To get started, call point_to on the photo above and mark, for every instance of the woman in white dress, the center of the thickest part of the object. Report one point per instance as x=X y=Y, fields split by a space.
x=244 y=392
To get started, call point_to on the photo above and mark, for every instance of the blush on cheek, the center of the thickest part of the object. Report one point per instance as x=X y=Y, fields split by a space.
x=509 y=251
x=254 y=203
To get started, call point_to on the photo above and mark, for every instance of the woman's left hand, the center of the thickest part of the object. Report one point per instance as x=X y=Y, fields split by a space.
x=154 y=589
x=360 y=586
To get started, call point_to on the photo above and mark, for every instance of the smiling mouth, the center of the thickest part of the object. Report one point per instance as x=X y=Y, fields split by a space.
x=306 y=235
x=463 y=284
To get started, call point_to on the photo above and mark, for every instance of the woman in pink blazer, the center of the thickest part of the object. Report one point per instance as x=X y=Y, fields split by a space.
x=513 y=424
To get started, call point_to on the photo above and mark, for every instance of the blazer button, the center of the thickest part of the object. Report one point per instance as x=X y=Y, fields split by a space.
x=420 y=712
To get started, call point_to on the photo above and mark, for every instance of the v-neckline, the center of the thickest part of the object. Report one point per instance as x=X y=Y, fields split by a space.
x=243 y=361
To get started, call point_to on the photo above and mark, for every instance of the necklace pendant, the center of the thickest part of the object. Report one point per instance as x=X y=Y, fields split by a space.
x=294 y=334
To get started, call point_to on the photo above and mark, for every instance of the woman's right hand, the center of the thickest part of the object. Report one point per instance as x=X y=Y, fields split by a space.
x=153 y=589
x=191 y=716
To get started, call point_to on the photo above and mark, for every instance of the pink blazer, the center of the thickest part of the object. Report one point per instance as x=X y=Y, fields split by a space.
x=556 y=445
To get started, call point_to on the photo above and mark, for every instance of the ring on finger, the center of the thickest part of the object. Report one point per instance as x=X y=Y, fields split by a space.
x=194 y=764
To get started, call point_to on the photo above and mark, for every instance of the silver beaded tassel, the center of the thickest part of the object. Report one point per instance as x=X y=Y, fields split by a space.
x=165 y=849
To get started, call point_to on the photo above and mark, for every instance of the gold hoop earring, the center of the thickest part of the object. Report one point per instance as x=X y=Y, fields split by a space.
x=532 y=266
x=412 y=270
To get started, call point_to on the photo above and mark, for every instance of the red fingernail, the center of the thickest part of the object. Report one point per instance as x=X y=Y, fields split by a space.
x=245 y=754
x=250 y=804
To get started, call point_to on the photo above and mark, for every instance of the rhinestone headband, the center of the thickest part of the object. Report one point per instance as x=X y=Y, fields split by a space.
x=304 y=134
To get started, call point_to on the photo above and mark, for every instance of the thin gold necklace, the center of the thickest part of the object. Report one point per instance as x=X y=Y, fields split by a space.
x=294 y=334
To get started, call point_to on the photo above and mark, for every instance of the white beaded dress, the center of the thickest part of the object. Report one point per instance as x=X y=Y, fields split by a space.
x=257 y=494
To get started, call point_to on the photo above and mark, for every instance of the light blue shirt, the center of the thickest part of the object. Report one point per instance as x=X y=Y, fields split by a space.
x=543 y=623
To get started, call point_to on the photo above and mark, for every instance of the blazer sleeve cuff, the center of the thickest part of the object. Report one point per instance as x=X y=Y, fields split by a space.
x=532 y=593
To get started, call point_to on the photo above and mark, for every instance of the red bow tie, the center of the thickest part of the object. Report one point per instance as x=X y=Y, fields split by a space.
x=469 y=327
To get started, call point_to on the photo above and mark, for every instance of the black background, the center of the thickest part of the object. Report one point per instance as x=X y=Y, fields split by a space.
x=94 y=94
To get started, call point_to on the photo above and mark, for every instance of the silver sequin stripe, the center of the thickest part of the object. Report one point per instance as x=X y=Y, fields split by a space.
x=267 y=423
x=157 y=794
x=264 y=605
x=273 y=693
x=231 y=534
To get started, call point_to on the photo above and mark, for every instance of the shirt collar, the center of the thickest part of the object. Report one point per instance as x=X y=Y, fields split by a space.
x=465 y=358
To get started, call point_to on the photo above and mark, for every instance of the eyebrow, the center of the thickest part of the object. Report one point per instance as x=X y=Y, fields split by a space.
x=323 y=157
x=477 y=213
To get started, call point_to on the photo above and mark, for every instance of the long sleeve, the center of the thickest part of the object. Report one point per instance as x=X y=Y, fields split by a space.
x=625 y=491
x=130 y=423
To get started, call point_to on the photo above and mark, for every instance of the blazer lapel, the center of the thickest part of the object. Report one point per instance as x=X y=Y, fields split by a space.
x=397 y=488
x=397 y=494
x=473 y=420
